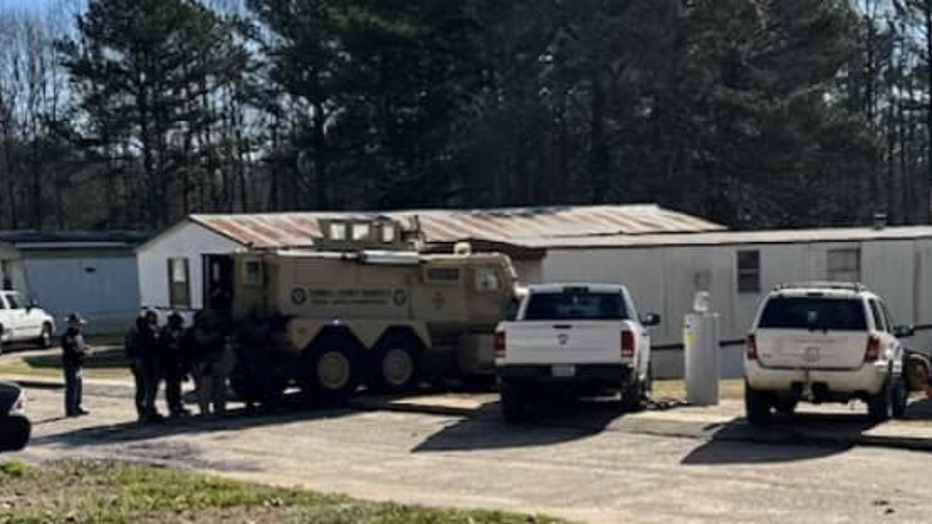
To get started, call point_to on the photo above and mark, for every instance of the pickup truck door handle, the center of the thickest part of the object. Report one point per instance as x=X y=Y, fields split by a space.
x=562 y=326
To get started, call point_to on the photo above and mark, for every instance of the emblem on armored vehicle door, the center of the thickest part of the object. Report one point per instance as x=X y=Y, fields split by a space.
x=439 y=300
x=563 y=338
x=299 y=296
x=400 y=297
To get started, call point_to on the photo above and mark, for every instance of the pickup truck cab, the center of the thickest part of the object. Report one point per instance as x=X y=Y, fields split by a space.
x=824 y=342
x=23 y=321
x=576 y=338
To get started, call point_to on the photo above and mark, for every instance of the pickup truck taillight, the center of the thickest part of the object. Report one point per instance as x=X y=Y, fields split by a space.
x=627 y=344
x=750 y=347
x=872 y=353
x=500 y=344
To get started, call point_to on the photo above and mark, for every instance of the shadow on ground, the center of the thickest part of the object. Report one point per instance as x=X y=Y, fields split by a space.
x=562 y=422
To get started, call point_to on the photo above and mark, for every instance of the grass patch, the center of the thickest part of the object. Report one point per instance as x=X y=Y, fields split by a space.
x=102 y=364
x=731 y=389
x=94 y=492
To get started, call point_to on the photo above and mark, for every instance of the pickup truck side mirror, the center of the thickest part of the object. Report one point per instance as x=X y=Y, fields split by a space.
x=650 y=320
x=904 y=331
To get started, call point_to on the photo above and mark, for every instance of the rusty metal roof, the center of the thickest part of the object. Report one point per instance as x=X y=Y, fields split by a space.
x=513 y=225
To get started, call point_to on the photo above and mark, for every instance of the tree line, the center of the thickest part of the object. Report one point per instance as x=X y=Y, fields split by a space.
x=752 y=113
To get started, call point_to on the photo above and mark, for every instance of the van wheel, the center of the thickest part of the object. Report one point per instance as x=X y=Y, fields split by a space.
x=900 y=398
x=329 y=371
x=393 y=368
x=880 y=406
x=756 y=406
x=513 y=402
x=632 y=396
x=45 y=340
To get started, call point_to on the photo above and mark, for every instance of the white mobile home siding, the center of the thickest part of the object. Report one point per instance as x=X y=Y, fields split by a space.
x=186 y=240
x=665 y=279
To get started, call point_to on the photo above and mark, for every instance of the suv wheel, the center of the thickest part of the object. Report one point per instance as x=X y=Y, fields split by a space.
x=900 y=398
x=513 y=402
x=756 y=405
x=880 y=406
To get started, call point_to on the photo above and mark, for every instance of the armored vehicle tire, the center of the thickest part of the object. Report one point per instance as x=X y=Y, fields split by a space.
x=880 y=406
x=329 y=371
x=757 y=406
x=513 y=402
x=393 y=365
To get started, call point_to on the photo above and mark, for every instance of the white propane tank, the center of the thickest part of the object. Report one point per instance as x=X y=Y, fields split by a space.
x=701 y=351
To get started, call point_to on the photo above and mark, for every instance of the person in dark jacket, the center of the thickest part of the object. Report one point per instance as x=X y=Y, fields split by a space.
x=73 y=353
x=142 y=349
x=174 y=363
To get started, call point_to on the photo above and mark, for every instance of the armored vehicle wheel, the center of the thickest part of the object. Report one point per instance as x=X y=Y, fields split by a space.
x=329 y=371
x=393 y=367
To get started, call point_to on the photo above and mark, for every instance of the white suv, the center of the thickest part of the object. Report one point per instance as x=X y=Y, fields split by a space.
x=824 y=342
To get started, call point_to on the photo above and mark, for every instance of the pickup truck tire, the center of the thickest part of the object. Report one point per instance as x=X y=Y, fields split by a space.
x=757 y=406
x=330 y=371
x=880 y=406
x=513 y=402
x=632 y=396
x=45 y=339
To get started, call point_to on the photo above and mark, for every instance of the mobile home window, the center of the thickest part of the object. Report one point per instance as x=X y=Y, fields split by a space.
x=179 y=289
x=844 y=265
x=749 y=271
x=252 y=273
x=338 y=231
x=388 y=233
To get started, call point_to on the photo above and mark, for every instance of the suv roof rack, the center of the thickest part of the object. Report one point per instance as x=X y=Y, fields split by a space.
x=856 y=287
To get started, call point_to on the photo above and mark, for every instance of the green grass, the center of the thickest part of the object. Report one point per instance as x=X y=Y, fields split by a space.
x=103 y=364
x=94 y=492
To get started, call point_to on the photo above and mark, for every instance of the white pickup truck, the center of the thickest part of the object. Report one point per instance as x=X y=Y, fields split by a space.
x=23 y=321
x=573 y=338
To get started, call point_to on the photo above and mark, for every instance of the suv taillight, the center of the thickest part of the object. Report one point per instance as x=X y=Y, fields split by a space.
x=500 y=344
x=627 y=344
x=872 y=354
x=750 y=347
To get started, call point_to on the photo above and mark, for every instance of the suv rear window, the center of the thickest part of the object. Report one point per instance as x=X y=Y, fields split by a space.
x=814 y=313
x=572 y=305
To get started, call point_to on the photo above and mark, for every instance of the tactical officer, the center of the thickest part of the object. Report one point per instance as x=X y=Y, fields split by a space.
x=142 y=348
x=73 y=353
x=173 y=363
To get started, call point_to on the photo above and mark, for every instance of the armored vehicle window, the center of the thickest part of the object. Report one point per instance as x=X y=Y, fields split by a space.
x=443 y=274
x=361 y=232
x=179 y=292
x=388 y=233
x=337 y=231
x=252 y=273
x=487 y=279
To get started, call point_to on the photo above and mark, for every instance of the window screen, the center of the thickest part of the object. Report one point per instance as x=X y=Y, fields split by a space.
x=252 y=273
x=749 y=272
x=179 y=289
x=487 y=279
x=844 y=265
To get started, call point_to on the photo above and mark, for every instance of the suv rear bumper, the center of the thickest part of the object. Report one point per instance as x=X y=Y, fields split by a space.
x=604 y=375
x=869 y=378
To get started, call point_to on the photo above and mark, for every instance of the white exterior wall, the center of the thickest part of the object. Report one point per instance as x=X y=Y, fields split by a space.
x=187 y=240
x=666 y=279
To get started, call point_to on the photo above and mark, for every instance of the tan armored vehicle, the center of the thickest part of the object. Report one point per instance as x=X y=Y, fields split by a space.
x=365 y=308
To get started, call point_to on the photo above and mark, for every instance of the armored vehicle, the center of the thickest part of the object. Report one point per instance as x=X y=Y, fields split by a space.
x=363 y=307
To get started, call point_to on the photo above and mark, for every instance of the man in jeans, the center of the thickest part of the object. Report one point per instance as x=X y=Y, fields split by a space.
x=73 y=353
